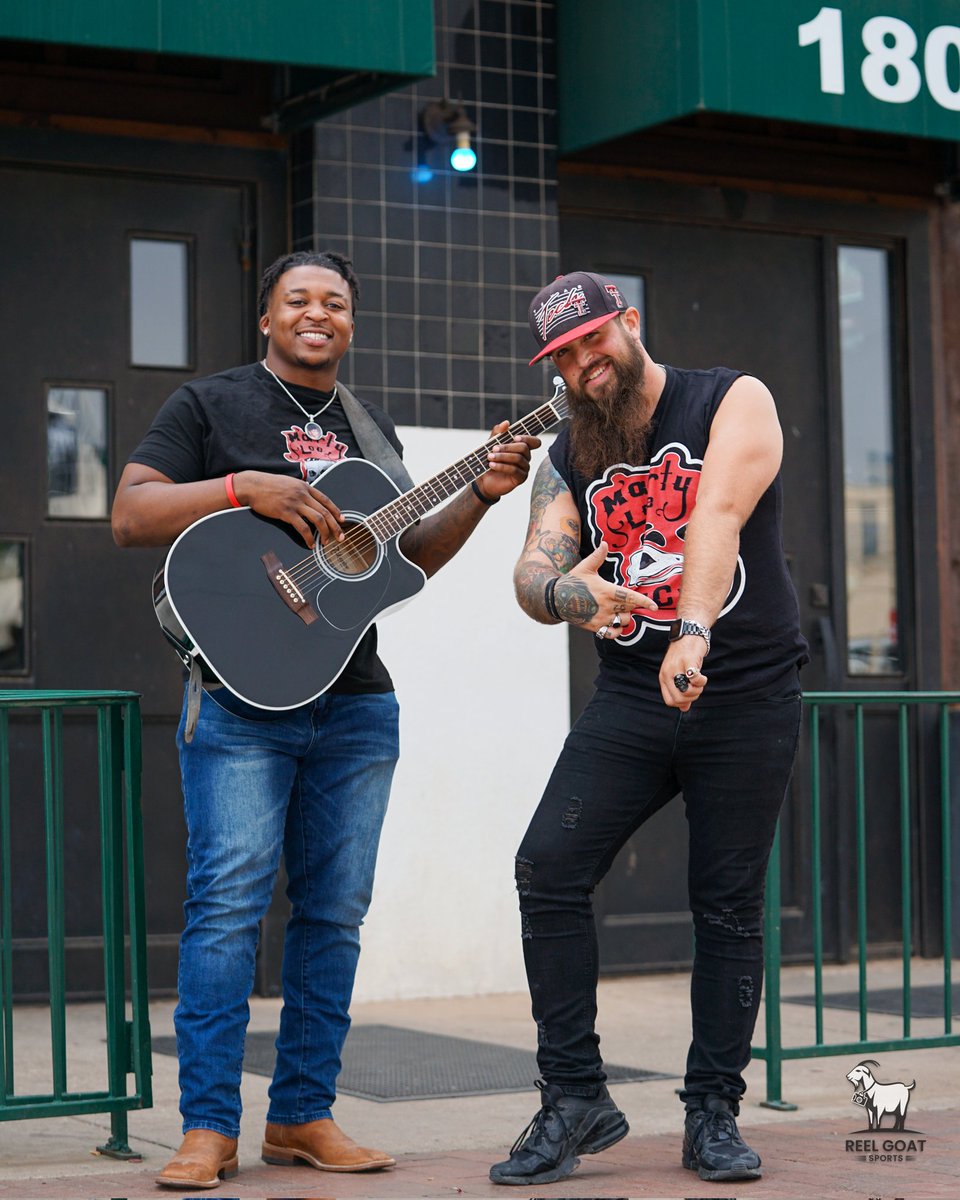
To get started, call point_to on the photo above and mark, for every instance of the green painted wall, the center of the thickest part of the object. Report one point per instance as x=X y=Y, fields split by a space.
x=391 y=36
x=886 y=65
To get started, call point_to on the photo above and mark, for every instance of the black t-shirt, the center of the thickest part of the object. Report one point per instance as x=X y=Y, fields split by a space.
x=641 y=511
x=241 y=420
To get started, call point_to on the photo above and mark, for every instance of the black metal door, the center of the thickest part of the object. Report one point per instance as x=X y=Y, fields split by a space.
x=74 y=304
x=759 y=300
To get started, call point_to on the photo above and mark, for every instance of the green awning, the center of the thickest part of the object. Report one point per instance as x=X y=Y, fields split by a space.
x=891 y=66
x=382 y=37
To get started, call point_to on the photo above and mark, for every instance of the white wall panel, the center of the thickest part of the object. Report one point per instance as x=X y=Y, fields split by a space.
x=484 y=709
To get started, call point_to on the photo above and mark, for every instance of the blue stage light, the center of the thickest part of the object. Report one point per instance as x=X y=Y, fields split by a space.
x=463 y=158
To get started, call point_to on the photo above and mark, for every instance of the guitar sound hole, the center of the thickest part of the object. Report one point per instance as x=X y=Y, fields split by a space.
x=356 y=555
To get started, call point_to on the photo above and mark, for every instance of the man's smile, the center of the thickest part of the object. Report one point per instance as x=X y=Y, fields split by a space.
x=597 y=371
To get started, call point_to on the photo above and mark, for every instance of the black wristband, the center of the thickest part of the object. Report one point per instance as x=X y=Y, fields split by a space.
x=549 y=600
x=480 y=496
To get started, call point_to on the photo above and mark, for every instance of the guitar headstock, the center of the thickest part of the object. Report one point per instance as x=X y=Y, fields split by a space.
x=559 y=398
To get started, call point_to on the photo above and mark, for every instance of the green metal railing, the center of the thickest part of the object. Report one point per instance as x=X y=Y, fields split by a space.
x=118 y=753
x=774 y=1052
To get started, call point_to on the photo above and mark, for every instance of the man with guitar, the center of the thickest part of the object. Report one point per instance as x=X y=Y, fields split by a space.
x=305 y=776
x=655 y=526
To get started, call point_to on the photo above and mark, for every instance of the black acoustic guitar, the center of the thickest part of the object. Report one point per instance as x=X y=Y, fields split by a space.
x=277 y=622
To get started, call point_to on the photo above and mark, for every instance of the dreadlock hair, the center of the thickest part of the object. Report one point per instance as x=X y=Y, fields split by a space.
x=307 y=258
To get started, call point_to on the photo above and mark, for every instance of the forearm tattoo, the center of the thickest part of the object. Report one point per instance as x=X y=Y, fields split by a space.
x=559 y=549
x=530 y=583
x=546 y=487
x=549 y=552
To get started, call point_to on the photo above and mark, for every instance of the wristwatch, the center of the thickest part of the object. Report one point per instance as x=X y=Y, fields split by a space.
x=681 y=628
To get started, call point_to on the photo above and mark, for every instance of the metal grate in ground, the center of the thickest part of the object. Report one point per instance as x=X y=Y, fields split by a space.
x=386 y=1063
x=925 y=1001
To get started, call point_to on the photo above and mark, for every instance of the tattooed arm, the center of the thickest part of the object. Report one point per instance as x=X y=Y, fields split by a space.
x=552 y=547
x=552 y=551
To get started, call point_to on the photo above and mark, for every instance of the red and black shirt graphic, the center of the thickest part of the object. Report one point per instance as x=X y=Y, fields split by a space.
x=313 y=449
x=642 y=514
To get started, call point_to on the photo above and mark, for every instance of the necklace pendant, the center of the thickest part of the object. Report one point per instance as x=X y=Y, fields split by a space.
x=311 y=417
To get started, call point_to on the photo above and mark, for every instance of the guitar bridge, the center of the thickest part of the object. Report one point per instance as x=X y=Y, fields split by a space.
x=287 y=590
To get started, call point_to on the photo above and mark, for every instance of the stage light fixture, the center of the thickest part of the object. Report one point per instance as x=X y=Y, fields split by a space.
x=444 y=121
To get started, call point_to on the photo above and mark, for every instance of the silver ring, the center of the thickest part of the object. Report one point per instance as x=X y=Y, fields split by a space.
x=616 y=622
x=602 y=632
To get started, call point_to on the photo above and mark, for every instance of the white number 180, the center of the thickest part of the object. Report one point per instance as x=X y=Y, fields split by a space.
x=888 y=71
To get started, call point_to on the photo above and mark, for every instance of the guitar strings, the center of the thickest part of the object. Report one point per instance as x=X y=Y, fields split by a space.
x=359 y=547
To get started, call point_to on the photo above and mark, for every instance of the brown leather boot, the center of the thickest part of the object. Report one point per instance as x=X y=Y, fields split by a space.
x=319 y=1144
x=204 y=1158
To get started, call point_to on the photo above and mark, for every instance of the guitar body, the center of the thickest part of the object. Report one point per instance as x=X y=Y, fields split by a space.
x=278 y=622
x=225 y=596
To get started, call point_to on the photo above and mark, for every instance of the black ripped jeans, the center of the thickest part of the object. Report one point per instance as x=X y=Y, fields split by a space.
x=623 y=760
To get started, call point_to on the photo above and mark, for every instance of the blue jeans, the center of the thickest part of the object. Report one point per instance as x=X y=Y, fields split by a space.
x=623 y=761
x=313 y=783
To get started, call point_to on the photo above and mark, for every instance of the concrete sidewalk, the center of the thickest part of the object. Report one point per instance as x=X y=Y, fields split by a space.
x=445 y=1147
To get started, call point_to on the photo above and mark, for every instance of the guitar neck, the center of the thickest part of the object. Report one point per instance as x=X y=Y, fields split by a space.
x=407 y=509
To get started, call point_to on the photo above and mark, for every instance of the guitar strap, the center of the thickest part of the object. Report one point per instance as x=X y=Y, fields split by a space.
x=194 y=688
x=372 y=441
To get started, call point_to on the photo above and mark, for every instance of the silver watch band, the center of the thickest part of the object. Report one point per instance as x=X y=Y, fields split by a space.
x=683 y=628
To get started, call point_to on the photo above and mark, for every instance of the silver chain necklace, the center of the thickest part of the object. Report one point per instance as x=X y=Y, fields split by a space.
x=311 y=417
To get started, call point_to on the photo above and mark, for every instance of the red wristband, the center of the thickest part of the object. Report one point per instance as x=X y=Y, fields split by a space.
x=231 y=494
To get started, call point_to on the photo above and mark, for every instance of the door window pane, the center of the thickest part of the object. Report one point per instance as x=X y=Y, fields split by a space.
x=873 y=638
x=159 y=303
x=76 y=452
x=13 y=653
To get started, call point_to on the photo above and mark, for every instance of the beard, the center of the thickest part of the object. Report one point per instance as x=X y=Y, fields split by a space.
x=611 y=426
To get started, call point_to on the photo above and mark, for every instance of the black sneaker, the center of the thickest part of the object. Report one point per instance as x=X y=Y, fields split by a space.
x=564 y=1127
x=712 y=1145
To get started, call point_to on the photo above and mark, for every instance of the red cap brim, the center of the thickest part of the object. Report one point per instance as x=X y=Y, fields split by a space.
x=572 y=334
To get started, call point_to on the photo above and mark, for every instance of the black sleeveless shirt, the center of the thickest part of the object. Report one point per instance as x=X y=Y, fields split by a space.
x=642 y=511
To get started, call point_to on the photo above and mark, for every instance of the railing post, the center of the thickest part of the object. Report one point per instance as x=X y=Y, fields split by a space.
x=110 y=747
x=6 y=916
x=771 y=984
x=139 y=1040
x=56 y=903
x=946 y=860
x=906 y=872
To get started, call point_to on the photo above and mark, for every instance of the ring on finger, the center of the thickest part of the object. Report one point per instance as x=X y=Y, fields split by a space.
x=602 y=632
x=616 y=622
x=681 y=682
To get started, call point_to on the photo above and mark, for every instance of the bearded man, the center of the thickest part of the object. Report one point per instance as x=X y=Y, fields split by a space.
x=655 y=526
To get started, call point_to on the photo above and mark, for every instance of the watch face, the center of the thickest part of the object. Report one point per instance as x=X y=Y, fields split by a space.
x=680 y=628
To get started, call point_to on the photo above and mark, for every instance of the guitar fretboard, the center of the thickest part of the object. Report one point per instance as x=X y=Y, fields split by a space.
x=407 y=509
